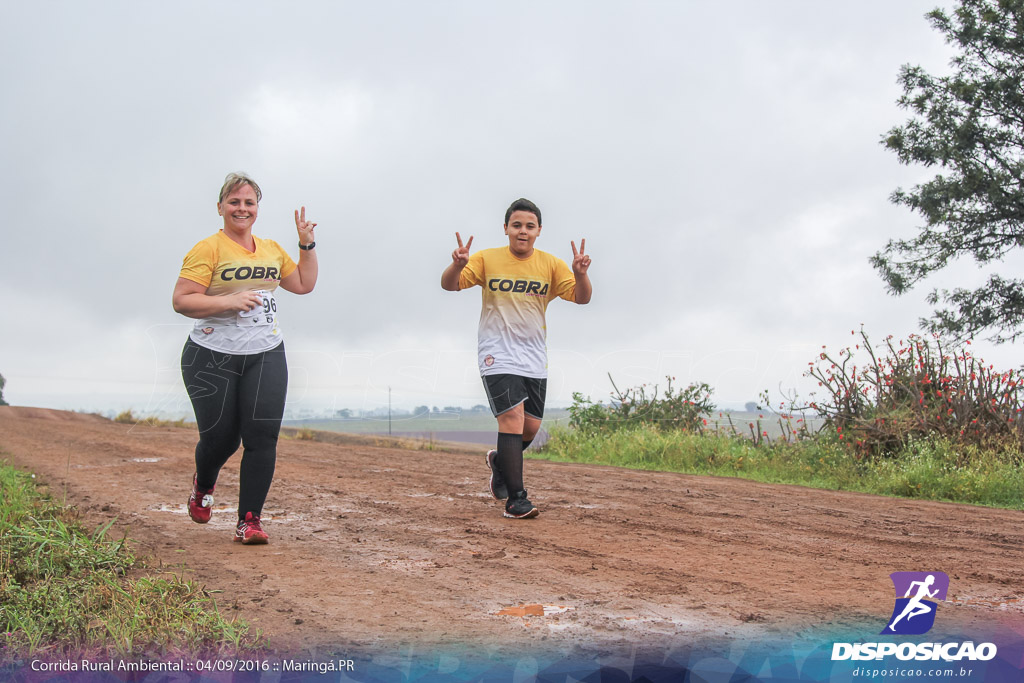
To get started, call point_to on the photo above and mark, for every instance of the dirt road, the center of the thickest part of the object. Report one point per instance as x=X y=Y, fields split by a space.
x=375 y=547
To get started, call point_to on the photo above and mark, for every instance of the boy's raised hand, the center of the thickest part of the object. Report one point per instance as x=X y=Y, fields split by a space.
x=461 y=255
x=580 y=261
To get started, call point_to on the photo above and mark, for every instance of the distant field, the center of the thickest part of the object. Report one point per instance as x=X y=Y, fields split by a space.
x=744 y=422
x=476 y=428
x=481 y=427
x=433 y=422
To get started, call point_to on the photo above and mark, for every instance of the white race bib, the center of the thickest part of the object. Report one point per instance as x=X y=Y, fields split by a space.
x=260 y=315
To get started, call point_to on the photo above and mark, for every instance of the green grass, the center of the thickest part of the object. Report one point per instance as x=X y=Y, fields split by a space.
x=931 y=470
x=67 y=590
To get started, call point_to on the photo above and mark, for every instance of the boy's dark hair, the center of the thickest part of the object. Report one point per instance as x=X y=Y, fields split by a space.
x=523 y=205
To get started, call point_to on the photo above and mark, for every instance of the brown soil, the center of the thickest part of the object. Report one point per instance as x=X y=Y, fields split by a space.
x=375 y=547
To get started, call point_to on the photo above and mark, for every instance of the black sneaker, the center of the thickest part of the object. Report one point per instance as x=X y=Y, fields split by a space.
x=498 y=488
x=519 y=507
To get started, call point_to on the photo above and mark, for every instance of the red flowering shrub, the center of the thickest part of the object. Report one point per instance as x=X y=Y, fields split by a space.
x=918 y=387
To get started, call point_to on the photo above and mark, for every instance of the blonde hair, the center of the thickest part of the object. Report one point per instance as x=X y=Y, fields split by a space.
x=233 y=181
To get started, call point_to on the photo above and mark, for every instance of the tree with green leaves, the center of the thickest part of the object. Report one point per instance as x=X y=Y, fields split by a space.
x=969 y=126
x=2 y=383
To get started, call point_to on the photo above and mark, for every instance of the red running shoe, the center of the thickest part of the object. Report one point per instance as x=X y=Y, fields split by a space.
x=249 y=531
x=200 y=502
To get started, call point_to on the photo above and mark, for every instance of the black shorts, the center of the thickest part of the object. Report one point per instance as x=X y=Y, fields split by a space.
x=505 y=392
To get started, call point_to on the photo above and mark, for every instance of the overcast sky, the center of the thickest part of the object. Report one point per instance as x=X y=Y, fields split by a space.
x=722 y=161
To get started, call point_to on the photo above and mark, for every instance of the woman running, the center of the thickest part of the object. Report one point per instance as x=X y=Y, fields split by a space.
x=233 y=362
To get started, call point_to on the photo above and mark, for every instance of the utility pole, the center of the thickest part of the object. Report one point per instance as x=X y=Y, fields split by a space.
x=389 y=411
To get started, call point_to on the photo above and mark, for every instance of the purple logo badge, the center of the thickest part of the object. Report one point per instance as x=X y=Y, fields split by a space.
x=916 y=596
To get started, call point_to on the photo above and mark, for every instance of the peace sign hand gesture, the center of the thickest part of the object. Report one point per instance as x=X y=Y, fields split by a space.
x=461 y=255
x=304 y=227
x=580 y=261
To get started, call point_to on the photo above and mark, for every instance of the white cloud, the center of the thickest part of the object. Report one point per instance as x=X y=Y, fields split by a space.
x=304 y=120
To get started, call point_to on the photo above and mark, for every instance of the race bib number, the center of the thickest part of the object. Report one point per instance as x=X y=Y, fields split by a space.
x=261 y=315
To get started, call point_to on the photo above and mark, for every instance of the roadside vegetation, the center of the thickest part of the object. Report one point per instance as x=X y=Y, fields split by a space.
x=68 y=591
x=915 y=419
x=128 y=417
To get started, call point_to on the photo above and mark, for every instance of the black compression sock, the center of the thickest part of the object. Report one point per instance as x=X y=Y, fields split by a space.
x=510 y=460
x=526 y=444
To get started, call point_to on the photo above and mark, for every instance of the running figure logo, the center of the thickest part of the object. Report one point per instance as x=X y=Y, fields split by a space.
x=914 y=612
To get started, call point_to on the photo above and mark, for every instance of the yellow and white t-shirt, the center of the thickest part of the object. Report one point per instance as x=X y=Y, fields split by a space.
x=512 y=336
x=225 y=267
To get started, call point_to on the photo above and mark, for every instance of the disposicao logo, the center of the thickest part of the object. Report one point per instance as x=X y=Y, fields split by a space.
x=916 y=596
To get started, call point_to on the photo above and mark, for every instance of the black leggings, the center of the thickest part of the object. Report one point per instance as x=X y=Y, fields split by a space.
x=238 y=399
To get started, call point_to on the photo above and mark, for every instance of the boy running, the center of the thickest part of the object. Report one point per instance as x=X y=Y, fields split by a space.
x=518 y=282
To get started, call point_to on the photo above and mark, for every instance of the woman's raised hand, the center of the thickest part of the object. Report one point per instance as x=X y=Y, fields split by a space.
x=304 y=227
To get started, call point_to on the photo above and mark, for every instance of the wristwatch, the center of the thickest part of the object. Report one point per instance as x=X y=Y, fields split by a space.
x=306 y=247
